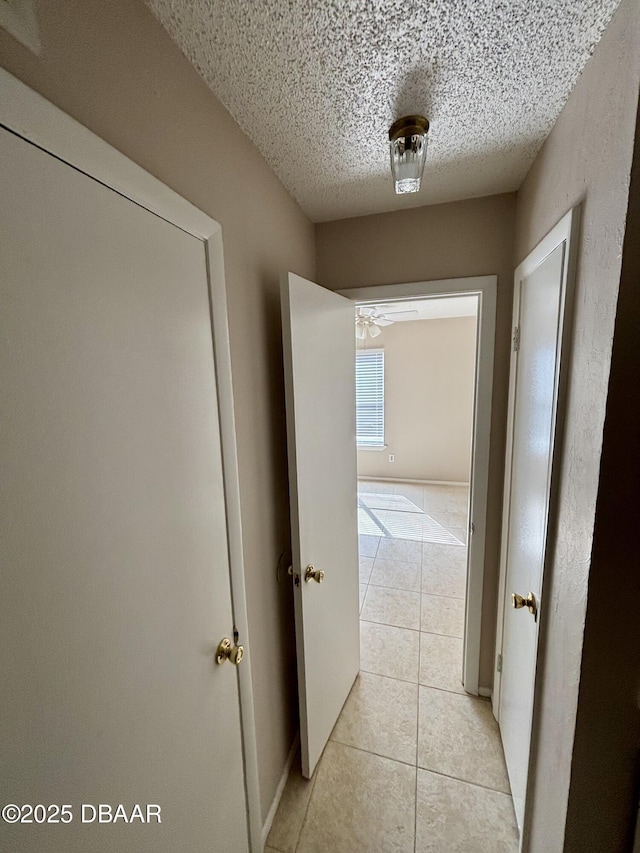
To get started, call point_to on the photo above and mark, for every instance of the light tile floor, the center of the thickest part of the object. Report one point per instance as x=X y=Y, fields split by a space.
x=414 y=763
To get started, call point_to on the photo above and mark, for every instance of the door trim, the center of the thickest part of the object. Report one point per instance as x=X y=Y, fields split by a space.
x=566 y=231
x=486 y=287
x=30 y=116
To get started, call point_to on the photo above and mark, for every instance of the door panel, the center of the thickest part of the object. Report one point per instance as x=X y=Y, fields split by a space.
x=115 y=576
x=319 y=358
x=539 y=301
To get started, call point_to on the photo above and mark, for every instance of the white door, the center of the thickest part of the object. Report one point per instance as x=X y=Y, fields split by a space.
x=319 y=359
x=539 y=303
x=115 y=576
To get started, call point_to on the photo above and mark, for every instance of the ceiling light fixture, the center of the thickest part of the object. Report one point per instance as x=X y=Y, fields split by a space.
x=368 y=320
x=366 y=328
x=408 y=149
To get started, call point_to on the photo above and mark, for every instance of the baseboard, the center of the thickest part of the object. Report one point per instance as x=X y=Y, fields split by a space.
x=485 y=691
x=417 y=482
x=266 y=829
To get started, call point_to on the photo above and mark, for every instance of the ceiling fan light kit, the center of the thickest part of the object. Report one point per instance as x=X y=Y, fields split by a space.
x=369 y=320
x=408 y=150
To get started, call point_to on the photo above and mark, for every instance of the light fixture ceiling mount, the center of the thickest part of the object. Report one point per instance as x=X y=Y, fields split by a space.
x=408 y=150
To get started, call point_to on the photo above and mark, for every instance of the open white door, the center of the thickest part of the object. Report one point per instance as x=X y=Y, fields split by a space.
x=540 y=301
x=319 y=358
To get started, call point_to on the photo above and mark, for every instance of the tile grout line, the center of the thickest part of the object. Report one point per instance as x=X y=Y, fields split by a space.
x=429 y=686
x=416 y=591
x=371 y=752
x=465 y=781
x=416 y=630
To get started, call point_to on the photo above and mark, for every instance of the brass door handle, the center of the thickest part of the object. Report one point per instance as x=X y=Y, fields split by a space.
x=227 y=651
x=529 y=602
x=312 y=574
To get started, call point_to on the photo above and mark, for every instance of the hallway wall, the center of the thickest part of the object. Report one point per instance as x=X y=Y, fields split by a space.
x=587 y=158
x=114 y=68
x=463 y=238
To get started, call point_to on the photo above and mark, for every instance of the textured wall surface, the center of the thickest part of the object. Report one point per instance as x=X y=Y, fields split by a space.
x=114 y=68
x=606 y=761
x=429 y=370
x=587 y=158
x=465 y=238
x=316 y=86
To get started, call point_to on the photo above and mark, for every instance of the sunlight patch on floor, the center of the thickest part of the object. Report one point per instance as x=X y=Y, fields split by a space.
x=397 y=517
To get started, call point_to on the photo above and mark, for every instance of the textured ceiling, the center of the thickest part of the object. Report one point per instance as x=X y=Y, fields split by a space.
x=316 y=84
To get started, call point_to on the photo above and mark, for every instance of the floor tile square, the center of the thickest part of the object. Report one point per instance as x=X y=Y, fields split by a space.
x=404 y=525
x=460 y=533
x=374 y=500
x=406 y=550
x=370 y=522
x=457 y=817
x=392 y=607
x=368 y=545
x=444 y=578
x=436 y=555
x=413 y=492
x=386 y=650
x=441 y=662
x=458 y=736
x=380 y=716
x=360 y=802
x=366 y=567
x=442 y=615
x=395 y=574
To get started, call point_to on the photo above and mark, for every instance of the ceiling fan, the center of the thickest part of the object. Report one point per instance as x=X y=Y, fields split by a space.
x=369 y=320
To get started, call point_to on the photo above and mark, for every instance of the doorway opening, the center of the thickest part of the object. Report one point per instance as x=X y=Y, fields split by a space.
x=415 y=383
x=475 y=297
x=422 y=755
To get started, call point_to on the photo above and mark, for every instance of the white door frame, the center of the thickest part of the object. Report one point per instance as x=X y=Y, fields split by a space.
x=486 y=288
x=30 y=116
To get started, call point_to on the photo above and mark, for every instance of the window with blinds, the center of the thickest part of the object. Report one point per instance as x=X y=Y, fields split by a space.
x=370 y=398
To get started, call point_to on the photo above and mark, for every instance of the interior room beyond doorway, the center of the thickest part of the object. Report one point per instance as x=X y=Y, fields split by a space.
x=415 y=385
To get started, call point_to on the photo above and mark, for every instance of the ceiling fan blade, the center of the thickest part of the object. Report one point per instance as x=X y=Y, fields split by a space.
x=363 y=311
x=401 y=315
x=380 y=321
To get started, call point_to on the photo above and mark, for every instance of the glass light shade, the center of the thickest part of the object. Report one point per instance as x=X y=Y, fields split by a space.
x=374 y=331
x=361 y=331
x=408 y=150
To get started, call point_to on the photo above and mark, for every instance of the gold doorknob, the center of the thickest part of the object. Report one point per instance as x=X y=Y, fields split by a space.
x=228 y=651
x=312 y=574
x=529 y=602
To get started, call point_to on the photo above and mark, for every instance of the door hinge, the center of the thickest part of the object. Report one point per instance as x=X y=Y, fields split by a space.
x=499 y=667
x=472 y=528
x=516 y=338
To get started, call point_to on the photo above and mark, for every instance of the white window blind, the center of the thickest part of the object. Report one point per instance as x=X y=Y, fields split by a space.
x=370 y=398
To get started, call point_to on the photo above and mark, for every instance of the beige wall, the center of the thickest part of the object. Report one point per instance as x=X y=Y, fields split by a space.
x=587 y=158
x=112 y=66
x=428 y=411
x=607 y=742
x=464 y=238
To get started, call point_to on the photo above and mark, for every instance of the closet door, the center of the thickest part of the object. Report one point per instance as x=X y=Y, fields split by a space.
x=115 y=570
